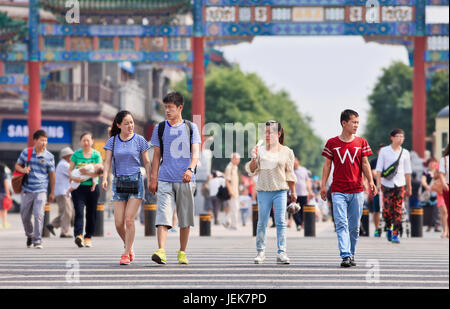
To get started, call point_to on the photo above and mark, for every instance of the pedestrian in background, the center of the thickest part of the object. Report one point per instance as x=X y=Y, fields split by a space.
x=394 y=179
x=438 y=187
x=443 y=173
x=65 y=207
x=4 y=193
x=245 y=203
x=232 y=183
x=274 y=165
x=374 y=202
x=86 y=195
x=40 y=172
x=125 y=151
x=303 y=188
x=215 y=183
x=429 y=196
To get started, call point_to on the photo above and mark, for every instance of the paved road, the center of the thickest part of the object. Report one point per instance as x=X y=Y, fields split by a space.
x=224 y=260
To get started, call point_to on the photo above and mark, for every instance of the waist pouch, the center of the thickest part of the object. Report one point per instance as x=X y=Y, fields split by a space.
x=126 y=185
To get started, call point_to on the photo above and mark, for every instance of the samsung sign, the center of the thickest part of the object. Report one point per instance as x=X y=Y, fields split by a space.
x=16 y=131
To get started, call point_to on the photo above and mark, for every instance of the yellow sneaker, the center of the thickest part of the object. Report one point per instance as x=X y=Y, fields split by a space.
x=87 y=243
x=159 y=256
x=182 y=259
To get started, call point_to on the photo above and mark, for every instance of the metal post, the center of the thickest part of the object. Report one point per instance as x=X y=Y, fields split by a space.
x=205 y=224
x=416 y=219
x=99 y=220
x=149 y=219
x=309 y=217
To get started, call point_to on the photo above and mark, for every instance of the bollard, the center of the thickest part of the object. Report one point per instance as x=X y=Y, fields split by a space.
x=149 y=219
x=99 y=220
x=255 y=218
x=416 y=220
x=46 y=232
x=309 y=218
x=364 y=229
x=205 y=224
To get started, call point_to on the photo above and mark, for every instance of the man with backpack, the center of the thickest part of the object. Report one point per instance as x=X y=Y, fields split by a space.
x=176 y=155
x=393 y=174
x=39 y=166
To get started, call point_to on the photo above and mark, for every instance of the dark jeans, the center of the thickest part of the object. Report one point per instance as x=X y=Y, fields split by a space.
x=216 y=203
x=84 y=197
x=298 y=217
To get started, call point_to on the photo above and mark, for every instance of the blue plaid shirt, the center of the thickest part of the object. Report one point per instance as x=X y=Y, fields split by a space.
x=40 y=165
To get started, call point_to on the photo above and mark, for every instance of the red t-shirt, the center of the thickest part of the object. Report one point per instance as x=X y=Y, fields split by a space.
x=347 y=160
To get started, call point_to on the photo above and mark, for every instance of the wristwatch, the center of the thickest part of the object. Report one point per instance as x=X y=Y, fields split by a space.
x=191 y=169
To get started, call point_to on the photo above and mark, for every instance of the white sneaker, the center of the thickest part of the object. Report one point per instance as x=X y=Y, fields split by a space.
x=282 y=258
x=38 y=246
x=260 y=257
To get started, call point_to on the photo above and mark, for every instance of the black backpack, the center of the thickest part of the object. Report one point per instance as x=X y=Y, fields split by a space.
x=162 y=126
x=223 y=194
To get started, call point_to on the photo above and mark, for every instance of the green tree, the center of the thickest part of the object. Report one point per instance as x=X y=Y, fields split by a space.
x=391 y=103
x=232 y=96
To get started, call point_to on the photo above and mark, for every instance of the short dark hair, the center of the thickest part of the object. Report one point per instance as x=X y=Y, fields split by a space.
x=86 y=133
x=347 y=114
x=175 y=98
x=38 y=134
x=397 y=131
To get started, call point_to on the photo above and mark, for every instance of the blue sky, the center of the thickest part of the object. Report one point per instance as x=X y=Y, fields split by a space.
x=323 y=75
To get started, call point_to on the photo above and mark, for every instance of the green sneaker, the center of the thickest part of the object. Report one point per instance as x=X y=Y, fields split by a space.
x=182 y=259
x=159 y=256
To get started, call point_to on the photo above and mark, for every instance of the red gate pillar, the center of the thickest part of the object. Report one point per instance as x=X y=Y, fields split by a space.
x=419 y=109
x=34 y=64
x=34 y=100
x=198 y=85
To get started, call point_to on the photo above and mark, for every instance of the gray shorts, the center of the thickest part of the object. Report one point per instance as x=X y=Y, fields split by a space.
x=183 y=196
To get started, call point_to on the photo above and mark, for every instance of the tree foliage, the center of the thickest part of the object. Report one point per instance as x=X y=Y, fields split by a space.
x=391 y=103
x=232 y=96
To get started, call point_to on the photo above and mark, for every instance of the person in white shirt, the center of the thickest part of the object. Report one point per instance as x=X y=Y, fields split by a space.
x=246 y=204
x=443 y=173
x=215 y=183
x=393 y=186
x=65 y=207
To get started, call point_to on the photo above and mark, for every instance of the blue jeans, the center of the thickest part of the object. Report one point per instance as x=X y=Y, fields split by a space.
x=347 y=212
x=277 y=199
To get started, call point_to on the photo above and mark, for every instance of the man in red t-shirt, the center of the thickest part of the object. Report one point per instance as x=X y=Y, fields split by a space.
x=349 y=155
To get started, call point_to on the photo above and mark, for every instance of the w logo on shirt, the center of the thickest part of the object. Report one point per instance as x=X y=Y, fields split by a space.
x=347 y=152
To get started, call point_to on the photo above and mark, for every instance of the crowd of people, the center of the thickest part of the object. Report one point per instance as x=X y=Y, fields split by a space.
x=272 y=179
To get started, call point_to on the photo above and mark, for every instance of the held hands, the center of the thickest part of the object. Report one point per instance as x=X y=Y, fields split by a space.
x=153 y=185
x=26 y=170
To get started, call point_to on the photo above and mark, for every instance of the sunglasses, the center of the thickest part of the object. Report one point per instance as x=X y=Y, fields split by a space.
x=270 y=122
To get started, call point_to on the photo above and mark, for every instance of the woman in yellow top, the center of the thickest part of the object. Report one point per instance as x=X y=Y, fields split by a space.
x=274 y=165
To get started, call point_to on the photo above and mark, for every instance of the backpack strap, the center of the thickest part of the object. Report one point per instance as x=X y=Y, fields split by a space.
x=161 y=127
x=29 y=154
